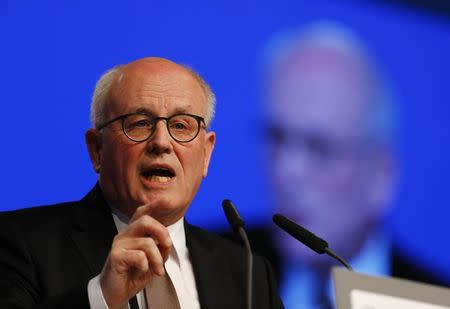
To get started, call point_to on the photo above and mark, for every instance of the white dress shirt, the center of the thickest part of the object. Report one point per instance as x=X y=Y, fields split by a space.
x=178 y=266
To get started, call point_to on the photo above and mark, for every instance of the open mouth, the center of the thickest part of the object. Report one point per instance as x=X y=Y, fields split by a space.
x=158 y=174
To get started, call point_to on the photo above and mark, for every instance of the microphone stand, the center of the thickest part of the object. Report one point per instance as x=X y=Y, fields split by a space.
x=237 y=224
x=249 y=266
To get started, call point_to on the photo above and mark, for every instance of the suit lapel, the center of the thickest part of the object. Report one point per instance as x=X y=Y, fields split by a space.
x=212 y=274
x=93 y=229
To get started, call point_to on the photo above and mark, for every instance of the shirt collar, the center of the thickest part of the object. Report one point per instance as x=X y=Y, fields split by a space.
x=178 y=236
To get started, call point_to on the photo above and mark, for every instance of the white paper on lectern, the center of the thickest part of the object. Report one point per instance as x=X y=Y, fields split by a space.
x=368 y=300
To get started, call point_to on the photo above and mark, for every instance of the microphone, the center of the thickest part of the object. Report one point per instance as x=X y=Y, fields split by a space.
x=308 y=238
x=237 y=224
x=233 y=217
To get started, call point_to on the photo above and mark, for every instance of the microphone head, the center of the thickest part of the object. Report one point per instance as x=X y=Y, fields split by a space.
x=233 y=217
x=303 y=235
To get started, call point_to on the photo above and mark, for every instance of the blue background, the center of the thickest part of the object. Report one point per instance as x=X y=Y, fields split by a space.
x=56 y=50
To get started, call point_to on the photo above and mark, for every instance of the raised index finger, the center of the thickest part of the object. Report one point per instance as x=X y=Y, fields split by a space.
x=146 y=226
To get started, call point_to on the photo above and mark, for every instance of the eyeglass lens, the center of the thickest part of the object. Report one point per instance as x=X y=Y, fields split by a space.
x=182 y=128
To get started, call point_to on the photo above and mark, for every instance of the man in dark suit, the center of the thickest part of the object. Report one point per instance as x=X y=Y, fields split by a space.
x=127 y=240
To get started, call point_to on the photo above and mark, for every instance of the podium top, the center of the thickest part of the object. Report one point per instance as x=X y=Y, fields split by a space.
x=358 y=291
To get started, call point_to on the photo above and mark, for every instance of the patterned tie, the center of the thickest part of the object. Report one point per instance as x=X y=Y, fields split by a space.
x=160 y=293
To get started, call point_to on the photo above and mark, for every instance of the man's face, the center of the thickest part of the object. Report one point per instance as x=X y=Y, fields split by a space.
x=160 y=170
x=321 y=168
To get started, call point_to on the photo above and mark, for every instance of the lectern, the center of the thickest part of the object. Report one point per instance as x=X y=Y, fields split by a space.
x=358 y=291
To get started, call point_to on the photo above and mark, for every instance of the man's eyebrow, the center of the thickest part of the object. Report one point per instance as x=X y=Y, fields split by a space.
x=178 y=110
x=143 y=110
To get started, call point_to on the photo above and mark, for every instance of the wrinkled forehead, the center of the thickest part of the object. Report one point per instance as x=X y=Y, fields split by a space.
x=324 y=90
x=158 y=85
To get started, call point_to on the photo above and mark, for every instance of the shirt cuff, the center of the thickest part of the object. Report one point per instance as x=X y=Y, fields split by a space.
x=95 y=295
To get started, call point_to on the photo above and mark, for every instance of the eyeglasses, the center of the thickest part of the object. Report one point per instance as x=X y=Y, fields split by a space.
x=315 y=146
x=139 y=127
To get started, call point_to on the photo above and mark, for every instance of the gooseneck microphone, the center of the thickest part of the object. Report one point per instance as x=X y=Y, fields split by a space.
x=237 y=224
x=308 y=238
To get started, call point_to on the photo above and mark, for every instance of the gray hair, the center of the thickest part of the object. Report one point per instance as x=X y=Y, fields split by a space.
x=99 y=98
x=210 y=96
x=103 y=86
x=333 y=36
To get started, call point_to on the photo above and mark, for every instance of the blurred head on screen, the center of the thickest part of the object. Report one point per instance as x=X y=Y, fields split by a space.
x=329 y=140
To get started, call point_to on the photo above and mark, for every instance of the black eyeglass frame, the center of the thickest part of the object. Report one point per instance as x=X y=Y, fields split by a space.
x=122 y=118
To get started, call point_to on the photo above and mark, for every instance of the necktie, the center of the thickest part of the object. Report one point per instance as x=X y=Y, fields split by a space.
x=160 y=293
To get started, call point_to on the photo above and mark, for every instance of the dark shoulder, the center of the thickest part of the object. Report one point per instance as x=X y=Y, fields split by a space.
x=229 y=247
x=39 y=218
x=40 y=212
x=404 y=267
x=230 y=266
x=214 y=240
x=58 y=211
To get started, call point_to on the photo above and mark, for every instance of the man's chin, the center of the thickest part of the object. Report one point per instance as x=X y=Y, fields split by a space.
x=310 y=259
x=296 y=253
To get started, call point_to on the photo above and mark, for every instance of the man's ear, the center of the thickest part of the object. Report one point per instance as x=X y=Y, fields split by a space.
x=94 y=146
x=210 y=140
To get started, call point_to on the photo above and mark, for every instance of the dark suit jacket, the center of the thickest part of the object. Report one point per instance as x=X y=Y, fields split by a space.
x=48 y=255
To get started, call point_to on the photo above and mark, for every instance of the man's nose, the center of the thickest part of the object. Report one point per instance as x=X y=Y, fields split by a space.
x=160 y=141
x=291 y=165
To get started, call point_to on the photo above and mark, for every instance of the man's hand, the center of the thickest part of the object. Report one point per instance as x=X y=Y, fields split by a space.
x=137 y=254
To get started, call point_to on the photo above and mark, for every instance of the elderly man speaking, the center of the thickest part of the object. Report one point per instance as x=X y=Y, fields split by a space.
x=126 y=243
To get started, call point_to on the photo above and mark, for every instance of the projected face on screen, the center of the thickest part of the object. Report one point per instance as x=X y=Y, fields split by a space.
x=328 y=155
